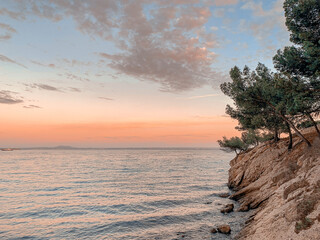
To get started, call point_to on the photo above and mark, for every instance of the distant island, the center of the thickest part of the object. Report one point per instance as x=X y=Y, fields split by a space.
x=8 y=149
x=60 y=147
x=41 y=148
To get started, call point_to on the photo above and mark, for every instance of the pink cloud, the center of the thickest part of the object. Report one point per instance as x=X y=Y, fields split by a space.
x=9 y=60
x=167 y=44
x=6 y=31
x=225 y=2
x=8 y=97
x=267 y=22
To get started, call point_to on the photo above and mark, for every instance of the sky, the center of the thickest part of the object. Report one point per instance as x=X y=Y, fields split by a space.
x=127 y=73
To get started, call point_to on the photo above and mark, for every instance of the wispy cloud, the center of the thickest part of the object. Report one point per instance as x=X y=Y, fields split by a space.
x=50 y=65
x=75 y=62
x=9 y=60
x=6 y=31
x=8 y=97
x=204 y=96
x=167 y=44
x=267 y=23
x=17 y=15
x=161 y=50
x=106 y=98
x=72 y=76
x=44 y=87
x=73 y=89
x=225 y=2
x=31 y=106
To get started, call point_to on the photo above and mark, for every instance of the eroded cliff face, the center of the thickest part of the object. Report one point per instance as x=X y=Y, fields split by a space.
x=281 y=189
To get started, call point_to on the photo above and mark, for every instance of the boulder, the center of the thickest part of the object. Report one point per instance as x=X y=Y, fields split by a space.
x=228 y=208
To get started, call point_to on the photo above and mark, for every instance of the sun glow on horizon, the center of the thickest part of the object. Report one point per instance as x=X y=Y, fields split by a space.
x=126 y=73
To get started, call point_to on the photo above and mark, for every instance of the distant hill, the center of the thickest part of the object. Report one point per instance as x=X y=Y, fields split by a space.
x=61 y=147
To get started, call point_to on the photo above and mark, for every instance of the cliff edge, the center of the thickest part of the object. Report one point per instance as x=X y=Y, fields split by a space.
x=280 y=188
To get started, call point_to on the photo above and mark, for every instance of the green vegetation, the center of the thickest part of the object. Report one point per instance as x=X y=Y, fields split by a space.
x=268 y=103
x=303 y=224
x=233 y=144
x=306 y=124
x=238 y=145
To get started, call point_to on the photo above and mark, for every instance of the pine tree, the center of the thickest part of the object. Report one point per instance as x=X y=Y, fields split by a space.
x=260 y=100
x=301 y=62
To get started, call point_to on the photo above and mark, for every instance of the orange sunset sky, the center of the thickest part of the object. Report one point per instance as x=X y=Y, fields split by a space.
x=127 y=73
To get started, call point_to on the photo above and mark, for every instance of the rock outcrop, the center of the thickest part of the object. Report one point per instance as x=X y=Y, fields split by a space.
x=280 y=188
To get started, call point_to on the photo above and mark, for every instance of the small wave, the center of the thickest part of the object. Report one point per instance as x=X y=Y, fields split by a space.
x=141 y=224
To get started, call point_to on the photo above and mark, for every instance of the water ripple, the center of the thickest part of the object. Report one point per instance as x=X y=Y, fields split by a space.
x=113 y=194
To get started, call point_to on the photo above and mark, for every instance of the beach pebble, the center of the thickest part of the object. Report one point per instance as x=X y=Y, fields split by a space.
x=213 y=230
x=225 y=228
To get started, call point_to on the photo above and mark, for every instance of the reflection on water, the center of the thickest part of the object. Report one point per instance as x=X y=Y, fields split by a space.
x=113 y=194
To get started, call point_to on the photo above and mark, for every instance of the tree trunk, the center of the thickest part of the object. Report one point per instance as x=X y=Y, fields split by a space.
x=296 y=130
x=290 y=136
x=275 y=136
x=237 y=154
x=287 y=121
x=314 y=123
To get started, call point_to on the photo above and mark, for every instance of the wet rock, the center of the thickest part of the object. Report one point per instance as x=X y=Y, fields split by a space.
x=228 y=208
x=224 y=195
x=213 y=230
x=243 y=208
x=225 y=229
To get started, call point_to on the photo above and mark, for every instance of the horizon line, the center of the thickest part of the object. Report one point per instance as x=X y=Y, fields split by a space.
x=99 y=148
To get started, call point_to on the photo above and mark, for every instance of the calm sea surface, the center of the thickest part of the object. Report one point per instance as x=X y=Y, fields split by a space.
x=114 y=194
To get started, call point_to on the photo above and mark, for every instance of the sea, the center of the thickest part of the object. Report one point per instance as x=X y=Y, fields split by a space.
x=115 y=194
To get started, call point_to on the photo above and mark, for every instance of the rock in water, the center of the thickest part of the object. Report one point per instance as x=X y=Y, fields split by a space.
x=228 y=208
x=213 y=230
x=224 y=195
x=225 y=228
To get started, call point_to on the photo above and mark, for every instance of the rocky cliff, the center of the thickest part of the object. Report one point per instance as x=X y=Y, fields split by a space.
x=281 y=189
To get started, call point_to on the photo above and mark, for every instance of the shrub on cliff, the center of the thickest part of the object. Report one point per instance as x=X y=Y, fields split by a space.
x=253 y=137
x=234 y=144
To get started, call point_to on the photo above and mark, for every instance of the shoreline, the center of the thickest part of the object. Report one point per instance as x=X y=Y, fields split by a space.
x=280 y=190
